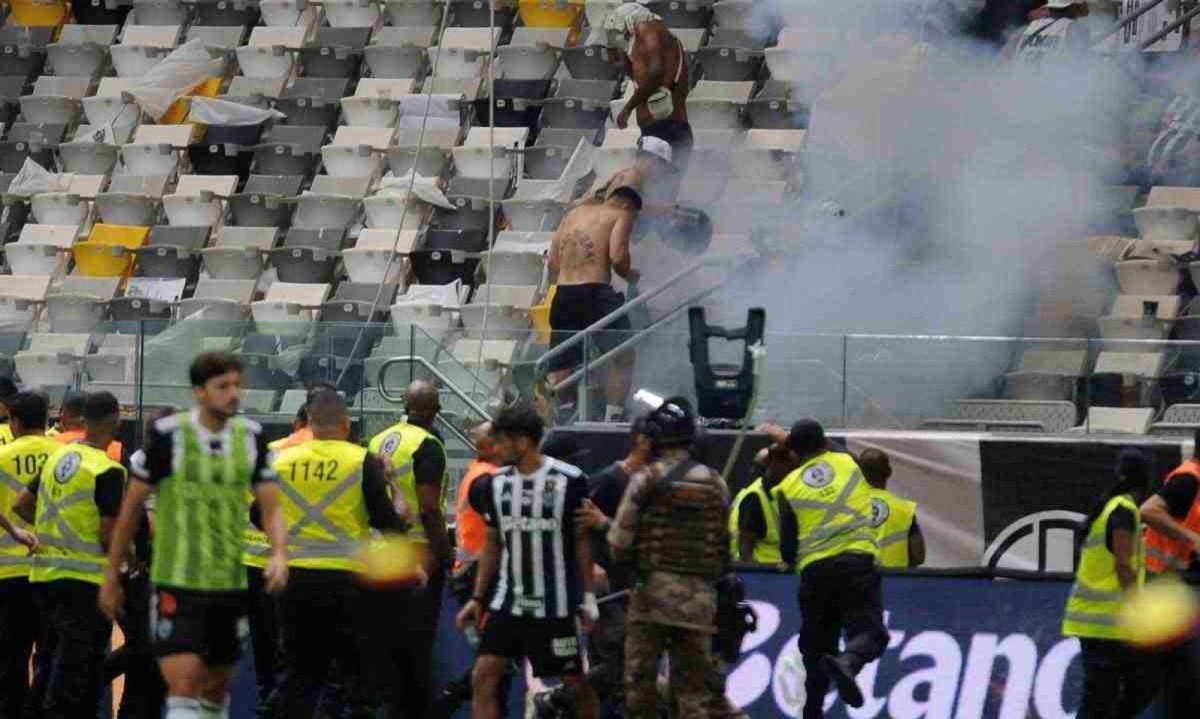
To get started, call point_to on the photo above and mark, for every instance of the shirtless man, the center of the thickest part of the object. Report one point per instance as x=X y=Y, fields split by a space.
x=655 y=61
x=591 y=243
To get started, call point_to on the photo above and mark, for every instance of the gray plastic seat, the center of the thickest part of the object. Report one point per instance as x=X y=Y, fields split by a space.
x=591 y=63
x=352 y=302
x=237 y=253
x=132 y=200
x=78 y=304
x=303 y=265
x=266 y=200
x=172 y=251
x=224 y=300
x=289 y=150
x=433 y=161
x=88 y=158
x=397 y=61
x=579 y=104
x=314 y=101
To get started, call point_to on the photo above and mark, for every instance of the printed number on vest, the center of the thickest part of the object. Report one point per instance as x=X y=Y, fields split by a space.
x=29 y=464
x=316 y=471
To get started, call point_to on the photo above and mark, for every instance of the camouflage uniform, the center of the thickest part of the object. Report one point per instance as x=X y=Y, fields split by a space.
x=671 y=612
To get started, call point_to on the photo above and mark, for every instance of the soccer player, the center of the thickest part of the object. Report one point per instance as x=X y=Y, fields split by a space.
x=201 y=464
x=535 y=573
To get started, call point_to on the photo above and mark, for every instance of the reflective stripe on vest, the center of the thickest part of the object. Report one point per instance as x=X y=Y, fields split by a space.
x=21 y=462
x=343 y=544
x=892 y=520
x=766 y=550
x=396 y=445
x=1165 y=553
x=828 y=525
x=1096 y=596
x=324 y=505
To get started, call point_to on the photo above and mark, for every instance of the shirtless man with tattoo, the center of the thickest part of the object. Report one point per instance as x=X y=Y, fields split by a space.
x=591 y=243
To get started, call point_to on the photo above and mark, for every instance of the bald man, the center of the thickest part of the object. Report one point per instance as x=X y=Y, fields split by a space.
x=655 y=62
x=415 y=455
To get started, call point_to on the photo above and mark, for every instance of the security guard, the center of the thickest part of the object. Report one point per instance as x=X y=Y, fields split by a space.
x=825 y=532
x=20 y=462
x=334 y=493
x=672 y=523
x=1111 y=564
x=897 y=533
x=417 y=459
x=78 y=495
x=753 y=522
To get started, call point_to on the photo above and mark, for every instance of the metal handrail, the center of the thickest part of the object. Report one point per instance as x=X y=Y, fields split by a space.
x=441 y=376
x=454 y=430
x=626 y=308
x=1131 y=17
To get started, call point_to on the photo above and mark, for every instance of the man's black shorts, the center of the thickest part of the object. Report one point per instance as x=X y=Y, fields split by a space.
x=552 y=646
x=210 y=624
x=577 y=307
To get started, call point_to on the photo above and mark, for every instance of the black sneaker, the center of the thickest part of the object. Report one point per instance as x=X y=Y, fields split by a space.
x=841 y=675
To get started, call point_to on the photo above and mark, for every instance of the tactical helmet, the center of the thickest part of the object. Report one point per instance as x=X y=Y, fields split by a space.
x=671 y=423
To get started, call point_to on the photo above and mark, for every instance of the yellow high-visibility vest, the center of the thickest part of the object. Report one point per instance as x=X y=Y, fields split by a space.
x=832 y=504
x=892 y=518
x=21 y=461
x=68 y=521
x=6 y=434
x=766 y=550
x=1096 y=596
x=397 y=444
x=323 y=503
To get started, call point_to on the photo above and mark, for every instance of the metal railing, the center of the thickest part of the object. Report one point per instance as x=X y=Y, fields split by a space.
x=441 y=377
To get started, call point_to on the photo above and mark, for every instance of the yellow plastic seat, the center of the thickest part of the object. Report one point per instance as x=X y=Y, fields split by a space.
x=108 y=250
x=40 y=13
x=540 y=316
x=550 y=13
x=178 y=111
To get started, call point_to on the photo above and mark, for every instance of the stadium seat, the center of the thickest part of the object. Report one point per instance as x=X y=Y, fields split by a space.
x=266 y=200
x=1166 y=223
x=1178 y=420
x=148 y=301
x=463 y=52
x=1140 y=317
x=485 y=153
x=142 y=47
x=376 y=102
x=88 y=158
x=289 y=150
x=1141 y=366
x=1118 y=420
x=1138 y=274
x=532 y=215
x=255 y=91
x=373 y=258
x=1046 y=375
x=79 y=304
x=507 y=310
x=718 y=105
x=550 y=13
x=517 y=258
x=199 y=200
x=40 y=249
x=289 y=308
x=81 y=50
x=357 y=152
x=579 y=104
x=227 y=38
x=333 y=202
x=352 y=302
x=288 y=13
x=21 y=296
x=770 y=155
x=108 y=250
x=39 y=13
x=237 y=252
x=591 y=62
x=619 y=151
x=218 y=299
x=109 y=108
x=308 y=256
x=59 y=208
x=683 y=13
x=395 y=209
x=433 y=162
x=478 y=14
x=730 y=57
x=172 y=251
x=271 y=52
x=158 y=12
x=772 y=108
x=517 y=61
x=352 y=13
x=220 y=158
x=114 y=361
x=131 y=200
x=334 y=52
x=55 y=100
x=415 y=13
x=399 y=52
x=432 y=308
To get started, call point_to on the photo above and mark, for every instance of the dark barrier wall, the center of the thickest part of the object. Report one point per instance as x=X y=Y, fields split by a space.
x=960 y=647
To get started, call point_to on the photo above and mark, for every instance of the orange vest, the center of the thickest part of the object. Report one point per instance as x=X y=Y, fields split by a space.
x=78 y=435
x=470 y=530
x=1165 y=553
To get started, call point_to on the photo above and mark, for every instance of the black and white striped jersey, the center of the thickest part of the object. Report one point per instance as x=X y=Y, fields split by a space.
x=534 y=515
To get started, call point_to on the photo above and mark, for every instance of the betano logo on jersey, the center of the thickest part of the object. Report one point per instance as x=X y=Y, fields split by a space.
x=932 y=674
x=530 y=524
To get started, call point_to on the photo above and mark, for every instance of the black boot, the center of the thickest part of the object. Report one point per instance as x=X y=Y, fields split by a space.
x=838 y=670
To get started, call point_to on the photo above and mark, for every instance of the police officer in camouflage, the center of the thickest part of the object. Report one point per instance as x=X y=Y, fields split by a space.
x=672 y=525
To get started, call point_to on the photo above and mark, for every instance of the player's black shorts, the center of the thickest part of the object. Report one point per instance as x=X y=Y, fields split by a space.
x=210 y=624
x=552 y=646
x=577 y=307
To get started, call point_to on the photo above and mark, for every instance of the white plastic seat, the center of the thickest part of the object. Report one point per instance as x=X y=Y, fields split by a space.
x=288 y=13
x=369 y=260
x=351 y=13
x=91 y=158
x=1118 y=420
x=517 y=258
x=223 y=38
x=40 y=248
x=55 y=100
x=1130 y=317
x=45 y=368
x=769 y=155
x=108 y=107
x=78 y=304
x=237 y=253
x=20 y=295
x=274 y=62
x=289 y=307
x=718 y=105
x=432 y=308
x=733 y=14
x=132 y=200
x=352 y=160
x=134 y=61
x=1143 y=276
x=370 y=111
x=225 y=300
x=80 y=56
x=199 y=200
x=1147 y=365
x=111 y=366
x=59 y=208
x=415 y=13
x=597 y=11
x=507 y=309
x=523 y=62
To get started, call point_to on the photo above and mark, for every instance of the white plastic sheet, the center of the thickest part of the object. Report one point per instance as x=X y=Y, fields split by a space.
x=184 y=69
x=34 y=178
x=212 y=111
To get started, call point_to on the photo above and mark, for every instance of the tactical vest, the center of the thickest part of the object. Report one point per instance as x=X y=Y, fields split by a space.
x=323 y=503
x=68 y=521
x=397 y=444
x=767 y=550
x=1096 y=597
x=682 y=527
x=21 y=461
x=1164 y=553
x=832 y=505
x=892 y=518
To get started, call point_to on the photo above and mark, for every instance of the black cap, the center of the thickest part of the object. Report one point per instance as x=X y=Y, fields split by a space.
x=806 y=437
